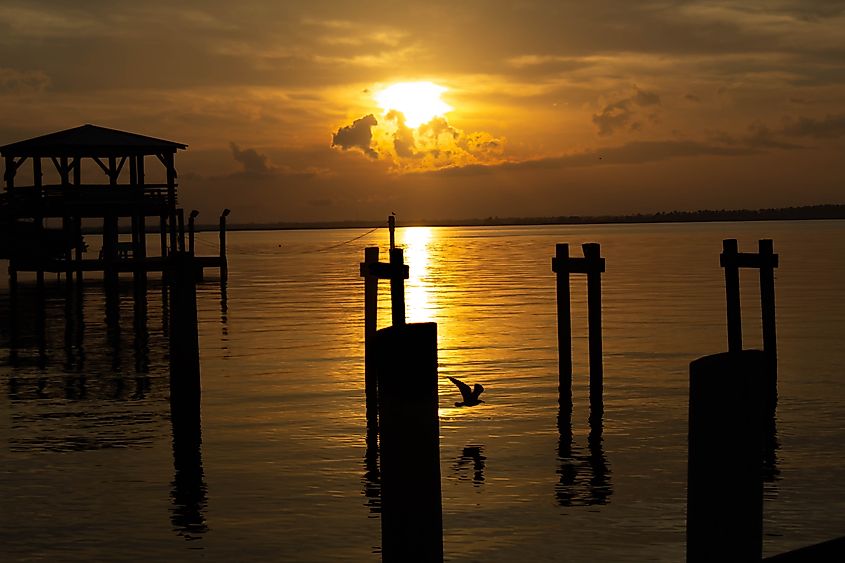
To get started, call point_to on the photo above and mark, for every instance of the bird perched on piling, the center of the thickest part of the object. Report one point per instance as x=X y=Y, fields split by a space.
x=470 y=396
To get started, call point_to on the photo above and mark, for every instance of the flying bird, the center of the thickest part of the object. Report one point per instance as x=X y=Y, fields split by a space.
x=470 y=396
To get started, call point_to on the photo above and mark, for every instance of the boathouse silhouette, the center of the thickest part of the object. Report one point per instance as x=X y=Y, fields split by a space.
x=31 y=245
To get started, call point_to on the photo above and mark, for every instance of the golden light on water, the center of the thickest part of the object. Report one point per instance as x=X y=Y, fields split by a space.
x=417 y=292
x=419 y=102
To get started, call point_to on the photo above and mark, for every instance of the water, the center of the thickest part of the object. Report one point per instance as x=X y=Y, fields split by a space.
x=87 y=472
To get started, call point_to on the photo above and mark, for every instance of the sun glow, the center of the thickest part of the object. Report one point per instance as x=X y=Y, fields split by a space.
x=419 y=102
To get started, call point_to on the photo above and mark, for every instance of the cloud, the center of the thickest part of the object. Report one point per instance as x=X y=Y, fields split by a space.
x=636 y=152
x=358 y=135
x=27 y=82
x=252 y=161
x=621 y=113
x=831 y=127
x=403 y=139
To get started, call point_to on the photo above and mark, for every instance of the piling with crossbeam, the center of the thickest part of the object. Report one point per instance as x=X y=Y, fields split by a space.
x=411 y=517
x=765 y=261
x=372 y=270
x=592 y=264
x=726 y=437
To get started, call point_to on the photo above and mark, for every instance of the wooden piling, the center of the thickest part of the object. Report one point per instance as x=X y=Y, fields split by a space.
x=734 y=312
x=397 y=288
x=592 y=255
x=411 y=519
x=370 y=326
x=180 y=214
x=768 y=261
x=724 y=482
x=191 y=218
x=184 y=339
x=564 y=326
x=224 y=261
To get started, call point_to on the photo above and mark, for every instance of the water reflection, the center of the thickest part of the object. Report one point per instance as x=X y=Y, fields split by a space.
x=417 y=291
x=472 y=461
x=372 y=475
x=188 y=489
x=584 y=476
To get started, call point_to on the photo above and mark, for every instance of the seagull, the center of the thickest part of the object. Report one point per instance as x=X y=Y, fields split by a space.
x=470 y=396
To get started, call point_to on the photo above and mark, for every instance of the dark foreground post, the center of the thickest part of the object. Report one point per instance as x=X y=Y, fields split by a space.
x=184 y=343
x=724 y=482
x=564 y=327
x=411 y=519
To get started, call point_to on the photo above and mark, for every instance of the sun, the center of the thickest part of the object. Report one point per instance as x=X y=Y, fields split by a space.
x=419 y=102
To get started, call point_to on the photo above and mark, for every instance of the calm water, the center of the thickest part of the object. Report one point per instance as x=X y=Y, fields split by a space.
x=87 y=471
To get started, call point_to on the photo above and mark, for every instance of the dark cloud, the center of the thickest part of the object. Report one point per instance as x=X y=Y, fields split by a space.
x=831 y=127
x=637 y=152
x=403 y=139
x=358 y=135
x=19 y=82
x=621 y=113
x=252 y=161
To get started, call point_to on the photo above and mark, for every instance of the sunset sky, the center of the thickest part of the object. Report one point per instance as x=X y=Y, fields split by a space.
x=557 y=108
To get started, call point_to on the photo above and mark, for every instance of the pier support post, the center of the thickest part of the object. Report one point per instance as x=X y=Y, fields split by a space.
x=768 y=260
x=224 y=261
x=591 y=264
x=184 y=340
x=564 y=329
x=370 y=326
x=734 y=308
x=397 y=288
x=724 y=482
x=411 y=519
x=592 y=255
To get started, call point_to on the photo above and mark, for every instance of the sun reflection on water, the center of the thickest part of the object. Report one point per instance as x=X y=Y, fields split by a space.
x=418 y=291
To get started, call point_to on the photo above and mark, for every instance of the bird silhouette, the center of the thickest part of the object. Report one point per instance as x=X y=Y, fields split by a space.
x=470 y=396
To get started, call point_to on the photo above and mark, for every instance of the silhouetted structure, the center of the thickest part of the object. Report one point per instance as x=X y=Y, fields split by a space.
x=372 y=270
x=724 y=483
x=765 y=261
x=411 y=517
x=30 y=245
x=591 y=264
x=584 y=478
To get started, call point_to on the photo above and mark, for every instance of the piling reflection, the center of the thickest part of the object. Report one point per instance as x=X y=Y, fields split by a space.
x=372 y=475
x=584 y=477
x=188 y=489
x=470 y=465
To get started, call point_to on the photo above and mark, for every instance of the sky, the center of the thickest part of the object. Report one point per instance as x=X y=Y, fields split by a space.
x=557 y=107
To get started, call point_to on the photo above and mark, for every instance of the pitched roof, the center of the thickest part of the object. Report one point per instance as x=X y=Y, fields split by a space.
x=89 y=140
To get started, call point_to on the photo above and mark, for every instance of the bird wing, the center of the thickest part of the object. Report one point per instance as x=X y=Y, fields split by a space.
x=466 y=393
x=477 y=389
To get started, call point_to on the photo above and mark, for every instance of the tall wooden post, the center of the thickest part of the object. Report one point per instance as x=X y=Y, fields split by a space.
x=734 y=308
x=411 y=518
x=170 y=166
x=397 y=288
x=370 y=326
x=77 y=225
x=184 y=340
x=564 y=327
x=767 y=303
x=724 y=481
x=224 y=261
x=592 y=255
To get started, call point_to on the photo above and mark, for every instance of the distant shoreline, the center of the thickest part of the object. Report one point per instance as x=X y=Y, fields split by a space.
x=804 y=213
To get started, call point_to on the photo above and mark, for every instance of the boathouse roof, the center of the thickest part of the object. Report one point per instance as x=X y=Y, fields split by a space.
x=90 y=140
